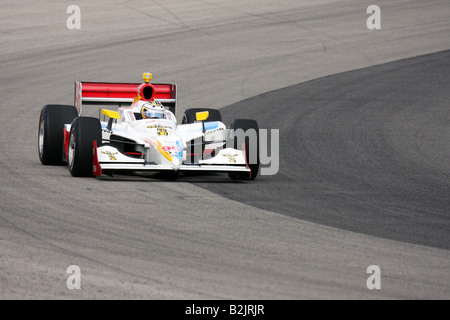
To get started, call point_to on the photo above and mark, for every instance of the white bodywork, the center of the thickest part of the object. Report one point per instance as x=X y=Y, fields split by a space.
x=163 y=144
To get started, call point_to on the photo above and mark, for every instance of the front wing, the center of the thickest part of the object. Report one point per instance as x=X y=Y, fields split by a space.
x=107 y=158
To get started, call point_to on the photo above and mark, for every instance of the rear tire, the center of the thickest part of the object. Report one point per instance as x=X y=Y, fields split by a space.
x=246 y=124
x=189 y=115
x=50 y=132
x=83 y=133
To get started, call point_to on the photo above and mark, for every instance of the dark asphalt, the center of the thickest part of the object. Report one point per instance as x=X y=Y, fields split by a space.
x=366 y=150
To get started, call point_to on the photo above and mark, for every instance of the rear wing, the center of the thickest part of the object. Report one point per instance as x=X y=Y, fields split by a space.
x=111 y=93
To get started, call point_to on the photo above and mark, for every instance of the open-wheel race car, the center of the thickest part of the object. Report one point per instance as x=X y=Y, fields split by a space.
x=143 y=134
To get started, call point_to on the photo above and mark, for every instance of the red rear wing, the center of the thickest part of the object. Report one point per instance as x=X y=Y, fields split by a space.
x=121 y=93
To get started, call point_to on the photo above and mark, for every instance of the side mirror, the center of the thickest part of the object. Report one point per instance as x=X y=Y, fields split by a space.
x=202 y=116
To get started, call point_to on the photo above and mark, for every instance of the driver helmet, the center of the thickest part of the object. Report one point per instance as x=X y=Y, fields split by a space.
x=153 y=110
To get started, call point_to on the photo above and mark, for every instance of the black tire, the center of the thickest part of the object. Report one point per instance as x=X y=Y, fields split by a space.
x=83 y=133
x=50 y=132
x=189 y=115
x=246 y=124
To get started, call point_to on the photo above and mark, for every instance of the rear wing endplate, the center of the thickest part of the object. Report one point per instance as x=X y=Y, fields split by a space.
x=111 y=93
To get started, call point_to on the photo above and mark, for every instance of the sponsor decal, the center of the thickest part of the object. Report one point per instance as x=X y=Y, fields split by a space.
x=171 y=149
x=214 y=130
x=111 y=155
x=231 y=157
x=156 y=126
x=166 y=154
x=161 y=130
x=180 y=150
x=211 y=125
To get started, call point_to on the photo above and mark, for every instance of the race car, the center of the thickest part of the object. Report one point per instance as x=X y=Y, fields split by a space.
x=143 y=134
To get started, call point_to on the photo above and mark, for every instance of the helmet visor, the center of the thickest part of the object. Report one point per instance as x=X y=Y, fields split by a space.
x=154 y=114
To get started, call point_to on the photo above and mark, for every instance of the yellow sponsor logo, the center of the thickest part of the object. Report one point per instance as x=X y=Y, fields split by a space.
x=231 y=157
x=161 y=130
x=111 y=155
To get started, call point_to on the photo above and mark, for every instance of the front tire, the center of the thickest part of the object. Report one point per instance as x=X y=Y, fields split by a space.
x=50 y=132
x=84 y=131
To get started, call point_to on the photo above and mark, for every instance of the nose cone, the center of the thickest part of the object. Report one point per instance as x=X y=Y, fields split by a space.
x=176 y=164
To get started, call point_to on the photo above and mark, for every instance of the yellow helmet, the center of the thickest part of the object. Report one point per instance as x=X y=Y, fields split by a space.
x=153 y=110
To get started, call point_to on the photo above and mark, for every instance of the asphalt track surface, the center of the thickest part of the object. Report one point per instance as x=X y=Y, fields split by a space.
x=365 y=183
x=369 y=155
